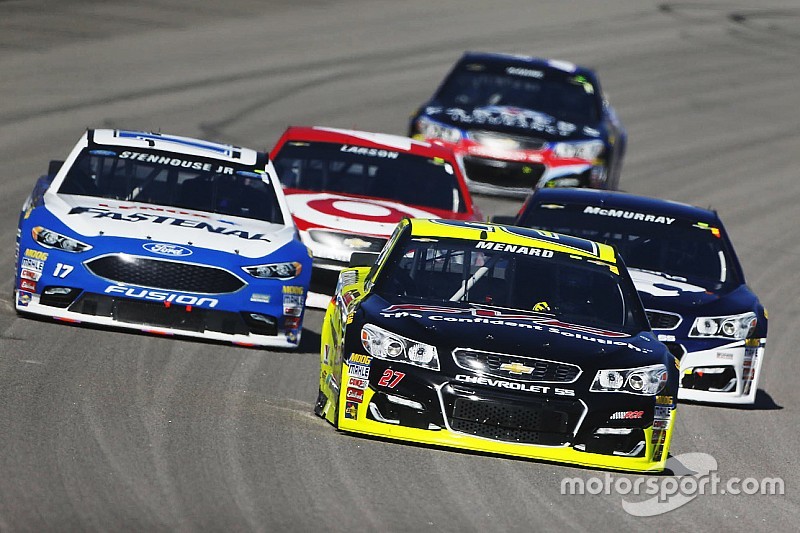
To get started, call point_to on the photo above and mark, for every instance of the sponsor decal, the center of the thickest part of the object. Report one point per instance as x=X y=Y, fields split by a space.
x=660 y=424
x=356 y=243
x=631 y=215
x=27 y=285
x=351 y=410
x=36 y=254
x=513 y=117
x=666 y=338
x=30 y=274
x=260 y=298
x=511 y=248
x=170 y=250
x=358 y=383
x=363 y=216
x=23 y=298
x=162 y=296
x=627 y=415
x=665 y=400
x=101 y=213
x=370 y=152
x=293 y=300
x=360 y=359
x=497 y=317
x=516 y=368
x=292 y=289
x=355 y=395
x=158 y=209
x=528 y=72
x=662 y=411
x=502 y=384
x=358 y=371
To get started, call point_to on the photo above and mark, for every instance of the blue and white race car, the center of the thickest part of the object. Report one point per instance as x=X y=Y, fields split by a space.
x=688 y=278
x=167 y=235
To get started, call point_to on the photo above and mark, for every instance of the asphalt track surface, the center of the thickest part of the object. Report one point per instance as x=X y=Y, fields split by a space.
x=112 y=431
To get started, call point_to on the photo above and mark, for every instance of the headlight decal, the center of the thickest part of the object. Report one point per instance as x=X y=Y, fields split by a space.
x=644 y=381
x=737 y=327
x=282 y=271
x=52 y=239
x=389 y=346
x=589 y=150
x=431 y=129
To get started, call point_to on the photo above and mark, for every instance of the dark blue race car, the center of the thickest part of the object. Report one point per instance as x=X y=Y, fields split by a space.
x=688 y=277
x=518 y=123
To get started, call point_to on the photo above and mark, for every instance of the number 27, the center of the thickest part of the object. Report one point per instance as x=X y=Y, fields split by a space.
x=390 y=378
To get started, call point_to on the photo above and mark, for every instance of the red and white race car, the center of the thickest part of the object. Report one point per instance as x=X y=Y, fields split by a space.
x=347 y=190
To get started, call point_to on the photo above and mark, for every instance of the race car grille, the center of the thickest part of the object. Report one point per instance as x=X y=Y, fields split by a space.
x=663 y=320
x=516 y=367
x=504 y=417
x=162 y=274
x=503 y=173
x=521 y=142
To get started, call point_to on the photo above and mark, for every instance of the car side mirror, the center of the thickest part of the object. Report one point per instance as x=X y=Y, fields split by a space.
x=54 y=167
x=363 y=259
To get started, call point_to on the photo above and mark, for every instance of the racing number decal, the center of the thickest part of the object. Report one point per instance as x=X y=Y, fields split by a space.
x=62 y=270
x=390 y=378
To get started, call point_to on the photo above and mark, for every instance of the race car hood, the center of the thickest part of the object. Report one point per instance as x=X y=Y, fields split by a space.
x=668 y=293
x=514 y=120
x=452 y=325
x=356 y=214
x=95 y=217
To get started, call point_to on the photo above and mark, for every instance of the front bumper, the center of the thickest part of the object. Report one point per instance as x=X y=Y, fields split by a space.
x=546 y=428
x=726 y=374
x=156 y=318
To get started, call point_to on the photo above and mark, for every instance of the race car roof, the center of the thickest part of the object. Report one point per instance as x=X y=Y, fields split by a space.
x=526 y=61
x=626 y=201
x=368 y=139
x=176 y=144
x=512 y=236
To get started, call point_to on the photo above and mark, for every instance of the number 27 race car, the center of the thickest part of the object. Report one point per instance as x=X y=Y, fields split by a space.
x=498 y=339
x=164 y=234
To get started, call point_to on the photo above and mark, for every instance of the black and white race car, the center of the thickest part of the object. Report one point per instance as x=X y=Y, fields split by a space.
x=688 y=276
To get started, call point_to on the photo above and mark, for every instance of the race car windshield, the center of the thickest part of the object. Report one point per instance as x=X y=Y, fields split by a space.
x=173 y=180
x=553 y=283
x=349 y=169
x=668 y=245
x=552 y=92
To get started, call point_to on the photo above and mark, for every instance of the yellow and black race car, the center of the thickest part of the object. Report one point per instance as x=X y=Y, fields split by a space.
x=498 y=339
